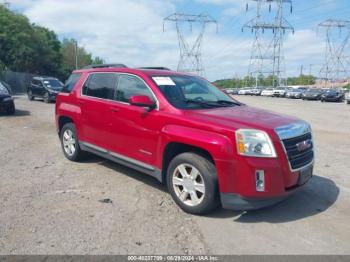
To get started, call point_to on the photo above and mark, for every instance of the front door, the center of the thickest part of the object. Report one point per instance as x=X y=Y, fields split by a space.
x=135 y=130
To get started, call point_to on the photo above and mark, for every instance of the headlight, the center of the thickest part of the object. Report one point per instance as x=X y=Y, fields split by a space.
x=7 y=99
x=254 y=143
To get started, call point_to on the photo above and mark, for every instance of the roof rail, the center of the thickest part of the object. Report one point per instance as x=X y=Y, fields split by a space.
x=105 y=66
x=155 y=68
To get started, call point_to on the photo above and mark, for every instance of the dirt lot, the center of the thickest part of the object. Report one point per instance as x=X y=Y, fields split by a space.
x=49 y=205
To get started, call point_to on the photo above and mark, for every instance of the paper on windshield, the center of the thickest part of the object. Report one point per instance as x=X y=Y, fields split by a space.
x=164 y=81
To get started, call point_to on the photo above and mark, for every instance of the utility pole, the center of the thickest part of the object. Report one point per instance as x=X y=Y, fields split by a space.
x=76 y=54
x=190 y=54
x=267 y=57
x=301 y=70
x=337 y=61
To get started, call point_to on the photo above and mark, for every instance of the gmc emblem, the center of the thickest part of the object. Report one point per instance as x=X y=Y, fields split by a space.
x=302 y=146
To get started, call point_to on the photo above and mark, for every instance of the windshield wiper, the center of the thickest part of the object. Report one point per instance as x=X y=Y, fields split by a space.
x=219 y=103
x=228 y=102
x=200 y=102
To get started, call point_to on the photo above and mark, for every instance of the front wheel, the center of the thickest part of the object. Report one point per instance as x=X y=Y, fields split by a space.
x=192 y=183
x=11 y=109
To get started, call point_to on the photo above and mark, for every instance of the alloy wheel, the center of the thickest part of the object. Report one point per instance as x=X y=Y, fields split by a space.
x=69 y=142
x=188 y=184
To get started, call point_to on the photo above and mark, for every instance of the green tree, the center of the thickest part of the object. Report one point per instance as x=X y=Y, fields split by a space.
x=27 y=48
x=69 y=53
x=17 y=47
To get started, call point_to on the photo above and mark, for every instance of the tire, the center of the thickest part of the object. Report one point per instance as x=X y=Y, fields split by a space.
x=77 y=154
x=46 y=98
x=348 y=102
x=11 y=109
x=30 y=95
x=204 y=185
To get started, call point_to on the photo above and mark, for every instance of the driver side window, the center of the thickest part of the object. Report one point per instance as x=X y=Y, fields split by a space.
x=129 y=86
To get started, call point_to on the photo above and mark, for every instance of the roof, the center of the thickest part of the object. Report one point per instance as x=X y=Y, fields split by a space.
x=148 y=72
x=44 y=77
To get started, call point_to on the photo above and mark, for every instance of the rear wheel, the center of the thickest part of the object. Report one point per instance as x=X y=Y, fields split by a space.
x=47 y=97
x=192 y=183
x=70 y=143
x=30 y=95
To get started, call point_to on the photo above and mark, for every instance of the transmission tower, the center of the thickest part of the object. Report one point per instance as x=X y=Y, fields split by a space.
x=337 y=59
x=267 y=57
x=190 y=54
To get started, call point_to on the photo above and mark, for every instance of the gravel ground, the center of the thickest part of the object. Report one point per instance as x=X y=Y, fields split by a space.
x=49 y=205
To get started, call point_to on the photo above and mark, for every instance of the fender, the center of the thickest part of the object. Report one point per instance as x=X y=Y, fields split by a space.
x=217 y=145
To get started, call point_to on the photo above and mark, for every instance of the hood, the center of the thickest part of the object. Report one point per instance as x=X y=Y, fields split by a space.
x=241 y=117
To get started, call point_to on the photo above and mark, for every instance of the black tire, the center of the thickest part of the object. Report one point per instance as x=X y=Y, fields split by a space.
x=78 y=154
x=46 y=98
x=348 y=102
x=30 y=95
x=11 y=109
x=207 y=171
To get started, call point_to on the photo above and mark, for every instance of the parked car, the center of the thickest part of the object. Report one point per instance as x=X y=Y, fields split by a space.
x=332 y=95
x=244 y=91
x=312 y=94
x=267 y=92
x=294 y=93
x=204 y=145
x=347 y=98
x=280 y=91
x=231 y=91
x=44 y=87
x=256 y=91
x=6 y=100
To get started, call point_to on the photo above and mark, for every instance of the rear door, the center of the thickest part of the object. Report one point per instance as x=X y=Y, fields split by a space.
x=96 y=102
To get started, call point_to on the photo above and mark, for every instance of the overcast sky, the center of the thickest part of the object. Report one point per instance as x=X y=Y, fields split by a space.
x=131 y=31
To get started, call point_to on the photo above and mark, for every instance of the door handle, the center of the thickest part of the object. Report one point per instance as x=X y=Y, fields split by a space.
x=114 y=110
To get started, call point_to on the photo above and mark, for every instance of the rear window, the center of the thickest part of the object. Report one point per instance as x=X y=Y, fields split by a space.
x=70 y=83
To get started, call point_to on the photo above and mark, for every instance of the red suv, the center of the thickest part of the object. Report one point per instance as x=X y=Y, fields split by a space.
x=204 y=145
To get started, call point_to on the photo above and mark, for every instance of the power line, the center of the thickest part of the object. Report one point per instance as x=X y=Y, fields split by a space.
x=267 y=56
x=337 y=64
x=190 y=54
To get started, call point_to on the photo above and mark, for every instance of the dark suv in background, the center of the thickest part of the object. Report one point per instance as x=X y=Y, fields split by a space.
x=44 y=87
x=6 y=101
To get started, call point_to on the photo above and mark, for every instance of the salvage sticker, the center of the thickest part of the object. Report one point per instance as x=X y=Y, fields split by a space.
x=164 y=81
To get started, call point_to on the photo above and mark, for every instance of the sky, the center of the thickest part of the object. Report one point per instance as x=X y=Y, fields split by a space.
x=131 y=31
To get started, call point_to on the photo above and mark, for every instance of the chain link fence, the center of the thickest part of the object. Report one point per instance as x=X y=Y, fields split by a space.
x=17 y=80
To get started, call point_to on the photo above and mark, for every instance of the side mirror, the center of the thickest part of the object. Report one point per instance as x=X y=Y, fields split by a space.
x=142 y=101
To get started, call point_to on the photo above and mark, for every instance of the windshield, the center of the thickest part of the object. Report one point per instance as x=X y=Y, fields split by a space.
x=191 y=92
x=3 y=90
x=53 y=84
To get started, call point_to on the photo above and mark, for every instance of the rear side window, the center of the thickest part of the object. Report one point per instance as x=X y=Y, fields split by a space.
x=101 y=85
x=129 y=86
x=70 y=83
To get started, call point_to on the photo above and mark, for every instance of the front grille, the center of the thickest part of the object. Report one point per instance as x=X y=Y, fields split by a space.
x=297 y=158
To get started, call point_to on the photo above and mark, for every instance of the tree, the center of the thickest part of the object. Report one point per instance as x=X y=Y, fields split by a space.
x=69 y=53
x=17 y=47
x=27 y=48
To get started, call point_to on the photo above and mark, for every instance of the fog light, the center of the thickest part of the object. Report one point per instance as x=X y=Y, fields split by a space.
x=259 y=180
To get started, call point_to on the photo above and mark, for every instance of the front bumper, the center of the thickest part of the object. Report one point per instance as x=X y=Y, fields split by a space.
x=6 y=102
x=239 y=203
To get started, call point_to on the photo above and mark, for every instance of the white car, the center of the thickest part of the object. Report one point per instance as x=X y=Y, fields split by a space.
x=244 y=91
x=267 y=92
x=280 y=91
